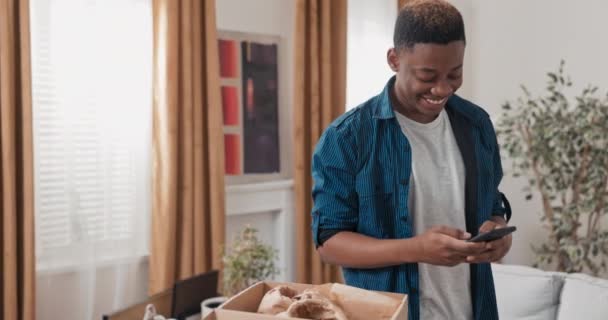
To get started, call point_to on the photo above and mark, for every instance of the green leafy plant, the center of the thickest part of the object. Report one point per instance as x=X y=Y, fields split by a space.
x=246 y=262
x=561 y=147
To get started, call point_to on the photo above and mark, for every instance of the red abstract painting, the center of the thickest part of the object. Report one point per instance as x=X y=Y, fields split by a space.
x=230 y=105
x=232 y=145
x=228 y=59
x=259 y=77
x=250 y=103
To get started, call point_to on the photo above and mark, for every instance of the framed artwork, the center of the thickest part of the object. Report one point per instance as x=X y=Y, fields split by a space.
x=249 y=72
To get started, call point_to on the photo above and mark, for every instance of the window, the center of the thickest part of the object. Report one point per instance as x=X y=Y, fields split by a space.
x=92 y=104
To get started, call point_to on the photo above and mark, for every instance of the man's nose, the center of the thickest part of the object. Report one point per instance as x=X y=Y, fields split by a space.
x=442 y=89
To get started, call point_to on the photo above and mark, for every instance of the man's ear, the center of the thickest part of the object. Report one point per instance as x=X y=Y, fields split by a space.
x=392 y=57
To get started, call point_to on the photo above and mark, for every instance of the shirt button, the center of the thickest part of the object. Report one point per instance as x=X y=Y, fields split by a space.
x=403 y=181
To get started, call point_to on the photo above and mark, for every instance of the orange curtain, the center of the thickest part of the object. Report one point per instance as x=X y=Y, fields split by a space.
x=188 y=150
x=17 y=264
x=319 y=98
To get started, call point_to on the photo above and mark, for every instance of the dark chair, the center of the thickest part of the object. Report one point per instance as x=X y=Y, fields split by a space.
x=162 y=301
x=182 y=301
x=189 y=293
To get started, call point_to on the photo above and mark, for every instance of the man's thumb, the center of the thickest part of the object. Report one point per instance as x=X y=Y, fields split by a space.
x=453 y=232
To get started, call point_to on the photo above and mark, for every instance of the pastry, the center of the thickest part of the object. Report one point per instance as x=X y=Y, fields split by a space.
x=277 y=300
x=314 y=309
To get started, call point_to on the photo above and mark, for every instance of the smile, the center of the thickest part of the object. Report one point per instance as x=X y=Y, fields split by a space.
x=435 y=101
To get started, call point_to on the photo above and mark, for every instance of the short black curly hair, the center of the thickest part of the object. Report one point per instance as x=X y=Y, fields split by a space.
x=427 y=21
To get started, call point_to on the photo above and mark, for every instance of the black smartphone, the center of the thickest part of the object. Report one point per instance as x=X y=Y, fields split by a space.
x=493 y=235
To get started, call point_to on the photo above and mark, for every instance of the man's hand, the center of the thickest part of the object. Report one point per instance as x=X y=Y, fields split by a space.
x=444 y=246
x=494 y=250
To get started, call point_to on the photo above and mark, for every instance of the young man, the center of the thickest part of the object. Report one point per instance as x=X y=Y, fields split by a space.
x=402 y=180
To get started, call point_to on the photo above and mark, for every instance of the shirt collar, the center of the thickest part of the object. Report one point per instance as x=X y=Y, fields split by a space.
x=384 y=108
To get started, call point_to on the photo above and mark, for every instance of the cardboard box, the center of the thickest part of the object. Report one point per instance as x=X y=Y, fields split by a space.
x=358 y=304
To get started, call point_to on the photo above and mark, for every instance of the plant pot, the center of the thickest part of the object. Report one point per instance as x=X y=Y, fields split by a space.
x=208 y=305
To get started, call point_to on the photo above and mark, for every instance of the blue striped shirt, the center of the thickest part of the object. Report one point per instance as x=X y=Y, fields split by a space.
x=361 y=170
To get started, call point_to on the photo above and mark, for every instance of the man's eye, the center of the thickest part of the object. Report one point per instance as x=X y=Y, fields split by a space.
x=455 y=77
x=427 y=80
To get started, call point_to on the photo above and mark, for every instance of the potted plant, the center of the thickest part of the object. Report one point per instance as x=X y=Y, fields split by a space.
x=561 y=146
x=246 y=261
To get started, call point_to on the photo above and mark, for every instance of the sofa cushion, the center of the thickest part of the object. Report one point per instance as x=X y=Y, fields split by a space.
x=584 y=297
x=526 y=293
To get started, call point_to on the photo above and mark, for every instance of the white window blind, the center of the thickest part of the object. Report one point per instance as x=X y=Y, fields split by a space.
x=92 y=104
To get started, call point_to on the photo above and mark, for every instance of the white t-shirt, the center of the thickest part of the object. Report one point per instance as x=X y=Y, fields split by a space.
x=437 y=191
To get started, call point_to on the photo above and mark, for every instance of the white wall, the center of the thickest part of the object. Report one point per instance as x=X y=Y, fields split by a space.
x=516 y=42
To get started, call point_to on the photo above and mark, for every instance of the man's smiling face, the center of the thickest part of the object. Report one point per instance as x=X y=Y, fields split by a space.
x=427 y=75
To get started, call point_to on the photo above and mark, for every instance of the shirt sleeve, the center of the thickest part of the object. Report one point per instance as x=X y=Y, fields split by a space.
x=335 y=204
x=501 y=206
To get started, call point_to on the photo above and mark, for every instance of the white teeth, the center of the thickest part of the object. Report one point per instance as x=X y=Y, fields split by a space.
x=431 y=101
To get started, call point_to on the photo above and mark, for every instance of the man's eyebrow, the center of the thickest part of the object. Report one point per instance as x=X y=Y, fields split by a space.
x=430 y=70
x=425 y=69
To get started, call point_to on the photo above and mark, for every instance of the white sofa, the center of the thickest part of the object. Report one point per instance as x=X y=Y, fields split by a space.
x=532 y=294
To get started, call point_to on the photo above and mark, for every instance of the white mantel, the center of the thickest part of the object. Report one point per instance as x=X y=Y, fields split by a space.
x=269 y=207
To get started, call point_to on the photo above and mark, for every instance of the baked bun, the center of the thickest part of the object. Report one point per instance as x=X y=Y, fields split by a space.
x=315 y=309
x=277 y=300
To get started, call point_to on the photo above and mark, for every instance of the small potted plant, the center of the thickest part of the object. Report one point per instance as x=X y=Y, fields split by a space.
x=246 y=261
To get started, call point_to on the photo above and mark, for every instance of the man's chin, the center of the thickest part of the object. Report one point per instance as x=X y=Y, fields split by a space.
x=430 y=110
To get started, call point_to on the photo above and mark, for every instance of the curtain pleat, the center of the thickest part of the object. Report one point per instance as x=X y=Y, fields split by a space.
x=188 y=215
